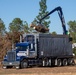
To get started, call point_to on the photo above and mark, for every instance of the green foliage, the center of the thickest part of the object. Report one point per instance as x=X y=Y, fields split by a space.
x=54 y=33
x=16 y=25
x=26 y=27
x=2 y=27
x=72 y=29
x=74 y=51
x=42 y=12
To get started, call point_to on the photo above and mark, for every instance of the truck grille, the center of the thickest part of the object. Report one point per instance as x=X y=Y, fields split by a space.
x=11 y=56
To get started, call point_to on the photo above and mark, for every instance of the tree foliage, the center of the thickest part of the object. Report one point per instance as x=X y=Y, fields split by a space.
x=54 y=33
x=5 y=45
x=2 y=27
x=26 y=28
x=13 y=37
x=16 y=25
x=42 y=12
x=72 y=29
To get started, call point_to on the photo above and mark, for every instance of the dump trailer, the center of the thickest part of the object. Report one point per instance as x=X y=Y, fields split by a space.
x=40 y=50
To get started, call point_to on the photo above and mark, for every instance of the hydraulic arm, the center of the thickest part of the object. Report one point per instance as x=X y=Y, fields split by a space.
x=60 y=13
x=41 y=28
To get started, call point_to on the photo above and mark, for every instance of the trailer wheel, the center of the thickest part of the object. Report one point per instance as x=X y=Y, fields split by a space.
x=53 y=62
x=59 y=62
x=65 y=62
x=24 y=64
x=71 y=61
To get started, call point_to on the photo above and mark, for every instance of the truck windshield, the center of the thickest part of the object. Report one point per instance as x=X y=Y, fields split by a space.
x=23 y=48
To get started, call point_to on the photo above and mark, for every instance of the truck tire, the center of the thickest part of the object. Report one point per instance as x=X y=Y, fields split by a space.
x=59 y=62
x=71 y=61
x=65 y=62
x=24 y=64
x=53 y=62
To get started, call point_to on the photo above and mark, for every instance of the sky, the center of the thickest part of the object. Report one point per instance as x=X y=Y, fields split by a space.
x=27 y=10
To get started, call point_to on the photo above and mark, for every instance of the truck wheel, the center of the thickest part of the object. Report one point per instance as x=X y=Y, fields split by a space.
x=44 y=63
x=71 y=61
x=65 y=62
x=59 y=62
x=53 y=62
x=24 y=64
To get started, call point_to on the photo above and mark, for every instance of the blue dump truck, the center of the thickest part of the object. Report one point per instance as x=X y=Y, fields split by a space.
x=40 y=50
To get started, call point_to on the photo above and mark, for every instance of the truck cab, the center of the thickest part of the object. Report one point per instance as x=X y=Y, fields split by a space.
x=23 y=50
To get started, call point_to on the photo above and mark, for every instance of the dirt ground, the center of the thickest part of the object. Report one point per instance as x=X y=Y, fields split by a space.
x=67 y=70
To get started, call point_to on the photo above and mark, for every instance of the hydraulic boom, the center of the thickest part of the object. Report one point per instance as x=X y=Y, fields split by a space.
x=41 y=28
x=60 y=13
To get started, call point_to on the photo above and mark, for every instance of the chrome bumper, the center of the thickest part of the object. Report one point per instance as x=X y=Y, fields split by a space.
x=5 y=63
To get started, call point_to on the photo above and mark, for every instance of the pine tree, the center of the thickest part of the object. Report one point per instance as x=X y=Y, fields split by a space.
x=2 y=27
x=42 y=12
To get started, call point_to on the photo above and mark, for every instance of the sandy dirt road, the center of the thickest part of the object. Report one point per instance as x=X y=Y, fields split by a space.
x=67 y=70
